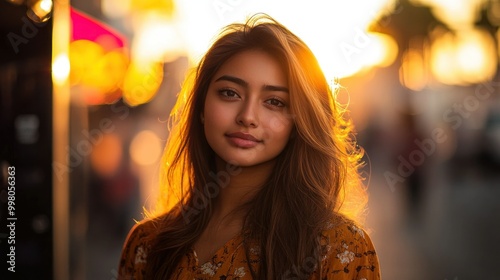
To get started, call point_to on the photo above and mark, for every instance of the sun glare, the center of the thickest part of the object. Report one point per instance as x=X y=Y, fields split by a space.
x=336 y=31
x=166 y=30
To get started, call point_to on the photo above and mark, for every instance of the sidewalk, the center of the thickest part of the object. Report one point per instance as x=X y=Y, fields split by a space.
x=456 y=236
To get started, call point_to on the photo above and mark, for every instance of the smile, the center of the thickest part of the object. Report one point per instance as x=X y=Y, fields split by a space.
x=242 y=140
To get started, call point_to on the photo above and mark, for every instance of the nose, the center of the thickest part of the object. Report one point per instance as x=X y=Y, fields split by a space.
x=248 y=116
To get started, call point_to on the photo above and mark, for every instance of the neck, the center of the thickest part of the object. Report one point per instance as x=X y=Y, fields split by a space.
x=238 y=185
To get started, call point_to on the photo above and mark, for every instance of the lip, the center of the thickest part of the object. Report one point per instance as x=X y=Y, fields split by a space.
x=242 y=140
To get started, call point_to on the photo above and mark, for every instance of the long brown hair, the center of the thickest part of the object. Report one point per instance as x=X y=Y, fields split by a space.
x=314 y=181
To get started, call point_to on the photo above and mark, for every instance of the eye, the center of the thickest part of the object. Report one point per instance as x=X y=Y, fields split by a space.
x=275 y=102
x=228 y=93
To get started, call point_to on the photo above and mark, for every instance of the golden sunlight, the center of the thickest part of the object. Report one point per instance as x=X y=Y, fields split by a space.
x=464 y=58
x=476 y=56
x=335 y=31
x=156 y=39
x=386 y=49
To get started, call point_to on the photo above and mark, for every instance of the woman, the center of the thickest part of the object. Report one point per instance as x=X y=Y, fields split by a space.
x=260 y=173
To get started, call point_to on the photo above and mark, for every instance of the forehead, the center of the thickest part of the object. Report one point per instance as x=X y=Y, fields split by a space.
x=253 y=66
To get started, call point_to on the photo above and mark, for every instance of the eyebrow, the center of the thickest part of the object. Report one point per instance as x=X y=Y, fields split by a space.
x=244 y=83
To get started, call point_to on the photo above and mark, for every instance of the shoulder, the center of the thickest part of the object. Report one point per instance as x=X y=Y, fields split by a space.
x=142 y=230
x=135 y=249
x=345 y=231
x=348 y=252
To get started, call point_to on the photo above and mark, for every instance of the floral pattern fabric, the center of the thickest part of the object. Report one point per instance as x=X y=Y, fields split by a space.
x=347 y=254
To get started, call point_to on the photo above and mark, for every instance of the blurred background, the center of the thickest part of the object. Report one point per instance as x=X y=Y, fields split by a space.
x=87 y=87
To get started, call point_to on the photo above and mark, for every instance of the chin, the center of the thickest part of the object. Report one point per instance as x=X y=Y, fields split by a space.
x=243 y=161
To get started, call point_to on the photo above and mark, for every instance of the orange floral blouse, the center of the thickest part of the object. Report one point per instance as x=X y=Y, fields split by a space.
x=348 y=254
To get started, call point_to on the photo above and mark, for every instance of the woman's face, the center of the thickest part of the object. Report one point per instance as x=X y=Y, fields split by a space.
x=246 y=117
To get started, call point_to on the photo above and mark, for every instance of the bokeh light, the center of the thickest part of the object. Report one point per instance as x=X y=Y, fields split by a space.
x=455 y=13
x=40 y=10
x=142 y=82
x=97 y=73
x=60 y=69
x=464 y=58
x=116 y=8
x=99 y=60
x=145 y=148
x=107 y=155
x=413 y=72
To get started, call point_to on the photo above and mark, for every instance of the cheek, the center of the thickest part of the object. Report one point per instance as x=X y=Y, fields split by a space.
x=216 y=119
x=213 y=114
x=280 y=127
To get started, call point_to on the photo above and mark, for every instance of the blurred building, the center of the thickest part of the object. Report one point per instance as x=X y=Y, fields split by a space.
x=26 y=141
